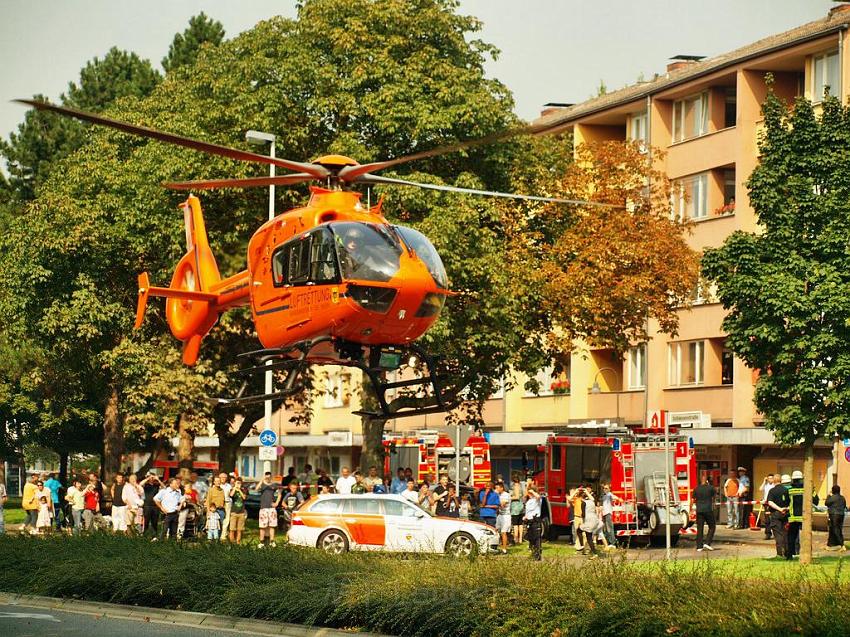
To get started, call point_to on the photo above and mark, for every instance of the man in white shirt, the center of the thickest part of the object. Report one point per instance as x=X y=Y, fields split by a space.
x=345 y=481
x=411 y=494
x=169 y=500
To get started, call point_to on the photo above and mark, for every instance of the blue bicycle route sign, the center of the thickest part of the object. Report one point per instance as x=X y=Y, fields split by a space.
x=268 y=438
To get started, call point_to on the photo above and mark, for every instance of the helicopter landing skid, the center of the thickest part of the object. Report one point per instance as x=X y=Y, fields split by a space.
x=295 y=359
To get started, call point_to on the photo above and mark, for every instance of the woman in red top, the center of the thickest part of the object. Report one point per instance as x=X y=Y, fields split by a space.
x=91 y=502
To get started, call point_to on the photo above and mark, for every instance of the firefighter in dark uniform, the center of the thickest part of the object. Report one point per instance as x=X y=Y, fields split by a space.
x=795 y=513
x=778 y=502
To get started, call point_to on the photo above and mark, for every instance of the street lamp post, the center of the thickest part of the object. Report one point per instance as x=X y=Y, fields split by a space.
x=596 y=389
x=260 y=138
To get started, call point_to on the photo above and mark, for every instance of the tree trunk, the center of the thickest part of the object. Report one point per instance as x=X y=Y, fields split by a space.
x=63 y=467
x=113 y=438
x=185 y=447
x=372 y=451
x=808 y=490
x=228 y=449
x=229 y=441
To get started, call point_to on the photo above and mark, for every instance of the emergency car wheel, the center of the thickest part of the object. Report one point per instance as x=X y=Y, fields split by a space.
x=460 y=545
x=333 y=542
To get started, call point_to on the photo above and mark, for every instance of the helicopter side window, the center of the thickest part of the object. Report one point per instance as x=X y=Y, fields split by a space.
x=322 y=258
x=306 y=259
x=298 y=271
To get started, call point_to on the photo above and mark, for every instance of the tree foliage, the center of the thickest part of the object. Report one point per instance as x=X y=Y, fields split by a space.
x=185 y=46
x=787 y=287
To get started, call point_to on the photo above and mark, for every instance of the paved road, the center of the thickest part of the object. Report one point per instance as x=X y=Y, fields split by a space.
x=25 y=621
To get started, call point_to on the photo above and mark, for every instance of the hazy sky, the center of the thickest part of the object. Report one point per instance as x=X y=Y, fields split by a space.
x=552 y=50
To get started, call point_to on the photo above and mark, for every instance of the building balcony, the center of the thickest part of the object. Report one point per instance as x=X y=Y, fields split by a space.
x=543 y=411
x=709 y=399
x=628 y=406
x=702 y=153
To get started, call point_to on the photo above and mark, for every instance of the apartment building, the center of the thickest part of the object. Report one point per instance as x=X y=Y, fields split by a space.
x=705 y=115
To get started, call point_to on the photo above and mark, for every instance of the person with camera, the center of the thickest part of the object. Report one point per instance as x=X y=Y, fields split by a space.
x=151 y=485
x=533 y=523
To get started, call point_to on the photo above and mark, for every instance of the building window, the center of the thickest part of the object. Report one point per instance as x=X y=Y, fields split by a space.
x=685 y=363
x=825 y=72
x=637 y=367
x=500 y=391
x=730 y=116
x=638 y=130
x=545 y=377
x=690 y=197
x=334 y=395
x=727 y=367
x=729 y=187
x=690 y=117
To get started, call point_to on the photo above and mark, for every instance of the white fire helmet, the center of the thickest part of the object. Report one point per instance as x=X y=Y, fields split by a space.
x=797 y=475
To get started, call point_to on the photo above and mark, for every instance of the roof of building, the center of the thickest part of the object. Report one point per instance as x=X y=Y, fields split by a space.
x=837 y=19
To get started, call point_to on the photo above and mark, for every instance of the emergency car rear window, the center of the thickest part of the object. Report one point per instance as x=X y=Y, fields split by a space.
x=366 y=506
x=326 y=506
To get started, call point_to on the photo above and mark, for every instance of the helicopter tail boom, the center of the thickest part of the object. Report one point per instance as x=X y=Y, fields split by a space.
x=197 y=294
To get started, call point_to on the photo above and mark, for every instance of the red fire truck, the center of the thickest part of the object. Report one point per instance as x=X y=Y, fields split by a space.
x=632 y=462
x=432 y=452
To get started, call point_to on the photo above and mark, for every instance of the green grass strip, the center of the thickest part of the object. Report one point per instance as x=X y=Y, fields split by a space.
x=408 y=595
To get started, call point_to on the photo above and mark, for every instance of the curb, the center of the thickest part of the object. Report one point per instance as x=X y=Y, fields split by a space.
x=222 y=623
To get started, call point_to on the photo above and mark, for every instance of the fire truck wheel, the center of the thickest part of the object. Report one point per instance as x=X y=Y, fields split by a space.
x=460 y=545
x=654 y=520
x=333 y=541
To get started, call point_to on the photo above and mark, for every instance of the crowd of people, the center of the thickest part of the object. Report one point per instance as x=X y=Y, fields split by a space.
x=151 y=506
x=781 y=501
x=216 y=508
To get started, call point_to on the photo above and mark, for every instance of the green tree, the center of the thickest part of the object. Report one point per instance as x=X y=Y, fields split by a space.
x=787 y=287
x=185 y=46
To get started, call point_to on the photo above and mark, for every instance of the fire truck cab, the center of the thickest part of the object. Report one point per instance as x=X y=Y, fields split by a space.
x=632 y=462
x=432 y=452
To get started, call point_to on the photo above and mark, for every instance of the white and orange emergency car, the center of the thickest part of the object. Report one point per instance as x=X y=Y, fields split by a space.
x=339 y=523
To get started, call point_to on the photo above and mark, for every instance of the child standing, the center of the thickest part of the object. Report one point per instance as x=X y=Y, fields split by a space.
x=45 y=510
x=213 y=523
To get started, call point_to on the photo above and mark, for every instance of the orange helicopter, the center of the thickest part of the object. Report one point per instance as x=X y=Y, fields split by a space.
x=332 y=282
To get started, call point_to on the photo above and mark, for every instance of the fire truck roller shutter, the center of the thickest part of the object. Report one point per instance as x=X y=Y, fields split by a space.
x=650 y=462
x=405 y=456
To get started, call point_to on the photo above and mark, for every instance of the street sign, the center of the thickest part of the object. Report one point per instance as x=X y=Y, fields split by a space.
x=280 y=450
x=268 y=453
x=847 y=454
x=268 y=438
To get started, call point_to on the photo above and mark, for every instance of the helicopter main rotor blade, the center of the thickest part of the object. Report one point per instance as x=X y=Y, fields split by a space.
x=248 y=182
x=351 y=173
x=170 y=138
x=376 y=179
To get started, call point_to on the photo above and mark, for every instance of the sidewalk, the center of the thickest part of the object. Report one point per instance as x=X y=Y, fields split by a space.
x=219 y=623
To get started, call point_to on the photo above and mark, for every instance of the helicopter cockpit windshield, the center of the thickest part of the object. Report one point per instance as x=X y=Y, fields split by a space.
x=368 y=252
x=419 y=243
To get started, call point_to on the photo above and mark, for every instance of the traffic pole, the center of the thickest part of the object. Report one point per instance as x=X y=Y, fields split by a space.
x=664 y=416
